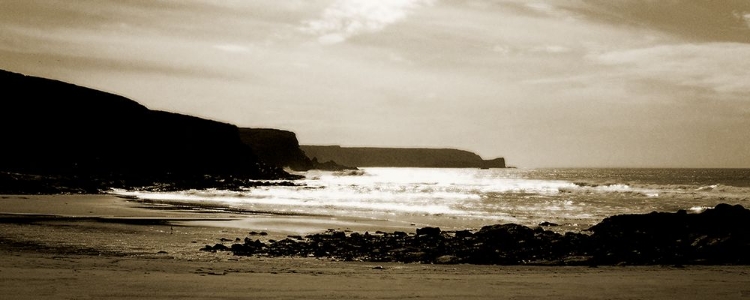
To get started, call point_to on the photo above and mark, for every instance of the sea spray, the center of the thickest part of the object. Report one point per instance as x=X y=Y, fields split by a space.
x=576 y=199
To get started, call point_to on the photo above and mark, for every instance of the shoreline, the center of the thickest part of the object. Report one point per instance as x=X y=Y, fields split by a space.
x=80 y=255
x=90 y=219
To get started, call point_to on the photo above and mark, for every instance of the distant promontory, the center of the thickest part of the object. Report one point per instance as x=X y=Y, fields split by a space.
x=401 y=157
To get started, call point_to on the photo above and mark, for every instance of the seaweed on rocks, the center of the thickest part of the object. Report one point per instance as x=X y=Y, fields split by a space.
x=716 y=236
x=491 y=245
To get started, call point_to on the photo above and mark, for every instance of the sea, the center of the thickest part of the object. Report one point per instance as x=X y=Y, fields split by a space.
x=566 y=199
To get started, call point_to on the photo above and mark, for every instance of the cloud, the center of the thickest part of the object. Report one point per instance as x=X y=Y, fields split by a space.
x=346 y=18
x=693 y=20
x=231 y=48
x=716 y=67
x=546 y=9
x=540 y=6
x=554 y=49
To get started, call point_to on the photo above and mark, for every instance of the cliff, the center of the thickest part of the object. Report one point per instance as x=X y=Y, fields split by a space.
x=281 y=148
x=276 y=147
x=55 y=128
x=401 y=157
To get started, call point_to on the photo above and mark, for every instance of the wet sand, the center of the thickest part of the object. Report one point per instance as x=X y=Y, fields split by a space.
x=99 y=246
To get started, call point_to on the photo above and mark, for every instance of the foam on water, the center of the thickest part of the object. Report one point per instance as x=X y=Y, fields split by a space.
x=469 y=198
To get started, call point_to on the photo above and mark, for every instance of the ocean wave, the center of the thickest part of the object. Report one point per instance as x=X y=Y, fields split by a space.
x=349 y=173
x=707 y=187
x=463 y=196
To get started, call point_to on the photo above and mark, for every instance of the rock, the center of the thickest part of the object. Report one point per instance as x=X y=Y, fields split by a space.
x=462 y=234
x=220 y=247
x=719 y=236
x=400 y=234
x=243 y=249
x=446 y=259
x=429 y=231
x=506 y=233
x=334 y=166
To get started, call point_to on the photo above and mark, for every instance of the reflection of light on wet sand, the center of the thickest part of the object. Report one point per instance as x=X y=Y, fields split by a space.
x=302 y=225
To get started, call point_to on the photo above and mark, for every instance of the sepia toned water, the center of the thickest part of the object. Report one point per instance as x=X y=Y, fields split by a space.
x=470 y=198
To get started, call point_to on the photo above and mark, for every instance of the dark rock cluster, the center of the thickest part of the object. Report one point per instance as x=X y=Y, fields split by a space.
x=497 y=244
x=716 y=236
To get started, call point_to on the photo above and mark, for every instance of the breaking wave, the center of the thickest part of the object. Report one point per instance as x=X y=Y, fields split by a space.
x=468 y=198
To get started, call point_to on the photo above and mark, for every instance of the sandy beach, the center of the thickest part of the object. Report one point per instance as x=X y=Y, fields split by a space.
x=101 y=246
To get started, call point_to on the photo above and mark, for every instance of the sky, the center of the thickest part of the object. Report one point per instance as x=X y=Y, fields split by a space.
x=548 y=83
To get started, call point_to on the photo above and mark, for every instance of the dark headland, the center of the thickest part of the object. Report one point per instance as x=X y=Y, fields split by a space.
x=281 y=148
x=401 y=157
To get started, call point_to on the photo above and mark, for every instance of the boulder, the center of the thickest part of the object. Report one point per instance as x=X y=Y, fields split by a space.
x=428 y=231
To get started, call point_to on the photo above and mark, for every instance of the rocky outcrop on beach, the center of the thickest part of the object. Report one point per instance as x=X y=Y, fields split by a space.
x=52 y=128
x=717 y=236
x=281 y=148
x=499 y=244
x=401 y=157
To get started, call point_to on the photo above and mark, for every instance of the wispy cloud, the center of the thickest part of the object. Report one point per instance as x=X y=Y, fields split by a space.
x=711 y=66
x=346 y=18
x=696 y=21
x=231 y=48
x=547 y=9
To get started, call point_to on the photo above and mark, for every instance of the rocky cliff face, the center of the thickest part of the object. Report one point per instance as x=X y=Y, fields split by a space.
x=281 y=148
x=51 y=127
x=401 y=157
x=276 y=147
